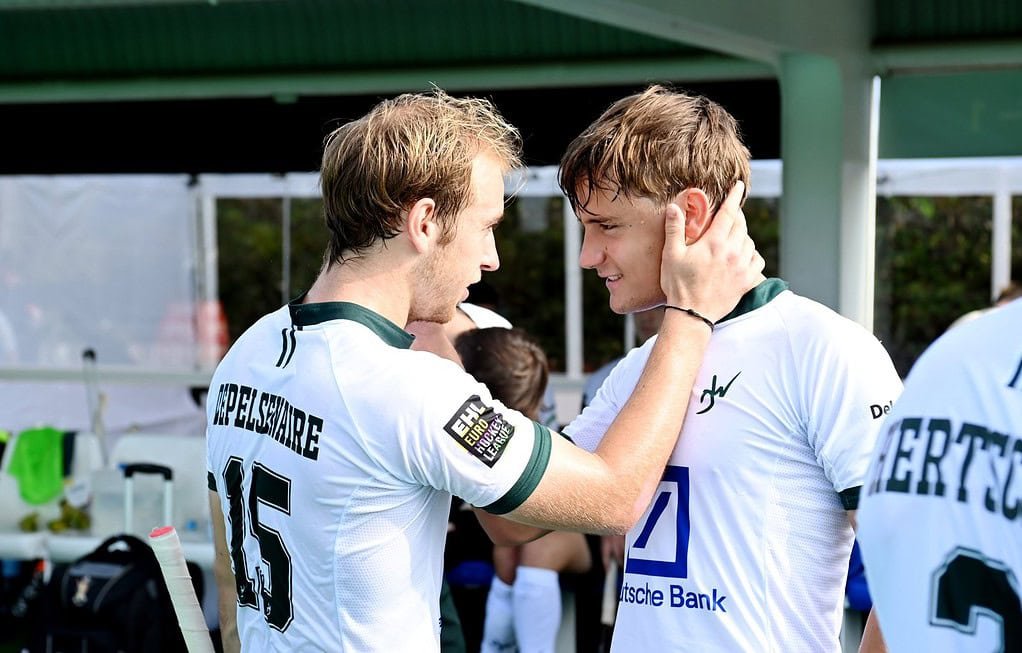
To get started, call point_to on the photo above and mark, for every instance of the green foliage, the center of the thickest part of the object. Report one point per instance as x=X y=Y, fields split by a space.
x=761 y=215
x=530 y=280
x=250 y=243
x=932 y=266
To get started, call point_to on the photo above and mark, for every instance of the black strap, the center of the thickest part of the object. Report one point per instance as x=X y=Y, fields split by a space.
x=850 y=497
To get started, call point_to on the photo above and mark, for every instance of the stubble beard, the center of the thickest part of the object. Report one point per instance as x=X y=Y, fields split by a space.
x=430 y=304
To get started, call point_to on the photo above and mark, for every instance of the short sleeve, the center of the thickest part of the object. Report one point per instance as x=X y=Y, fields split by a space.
x=588 y=429
x=455 y=437
x=849 y=387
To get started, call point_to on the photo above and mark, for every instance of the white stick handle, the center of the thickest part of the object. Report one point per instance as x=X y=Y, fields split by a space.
x=167 y=547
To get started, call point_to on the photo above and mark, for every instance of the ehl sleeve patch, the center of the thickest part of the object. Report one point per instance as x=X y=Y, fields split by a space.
x=482 y=431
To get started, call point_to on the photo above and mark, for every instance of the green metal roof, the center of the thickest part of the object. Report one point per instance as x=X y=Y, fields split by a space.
x=60 y=50
x=926 y=21
x=306 y=36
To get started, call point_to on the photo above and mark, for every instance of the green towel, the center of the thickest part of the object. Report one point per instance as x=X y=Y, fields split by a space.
x=37 y=464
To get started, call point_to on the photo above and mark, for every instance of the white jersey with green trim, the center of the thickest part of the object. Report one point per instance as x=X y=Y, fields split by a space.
x=745 y=545
x=335 y=450
x=941 y=519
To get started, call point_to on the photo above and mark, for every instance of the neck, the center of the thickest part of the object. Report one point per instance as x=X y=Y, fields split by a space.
x=369 y=282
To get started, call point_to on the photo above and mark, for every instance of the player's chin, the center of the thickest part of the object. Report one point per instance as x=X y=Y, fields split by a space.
x=620 y=305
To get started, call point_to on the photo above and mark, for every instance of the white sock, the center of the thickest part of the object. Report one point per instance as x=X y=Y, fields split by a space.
x=498 y=626
x=537 y=601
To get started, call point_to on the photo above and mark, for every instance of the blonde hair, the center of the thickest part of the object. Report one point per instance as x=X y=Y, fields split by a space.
x=407 y=148
x=655 y=144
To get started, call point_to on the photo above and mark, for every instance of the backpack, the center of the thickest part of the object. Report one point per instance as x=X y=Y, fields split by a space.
x=112 y=599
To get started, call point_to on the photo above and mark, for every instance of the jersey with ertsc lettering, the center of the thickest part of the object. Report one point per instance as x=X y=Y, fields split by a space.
x=334 y=450
x=941 y=519
x=745 y=544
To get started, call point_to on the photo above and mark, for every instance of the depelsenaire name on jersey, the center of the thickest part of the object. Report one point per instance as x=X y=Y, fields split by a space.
x=936 y=457
x=674 y=596
x=268 y=414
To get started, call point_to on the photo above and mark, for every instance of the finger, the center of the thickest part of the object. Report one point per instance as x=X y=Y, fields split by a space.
x=748 y=249
x=734 y=205
x=740 y=227
x=728 y=213
x=674 y=220
x=674 y=229
x=751 y=254
x=758 y=263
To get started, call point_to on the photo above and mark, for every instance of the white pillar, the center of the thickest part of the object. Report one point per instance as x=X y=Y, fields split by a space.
x=1000 y=265
x=572 y=294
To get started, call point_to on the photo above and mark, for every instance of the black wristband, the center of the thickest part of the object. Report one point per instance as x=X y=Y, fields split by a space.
x=693 y=313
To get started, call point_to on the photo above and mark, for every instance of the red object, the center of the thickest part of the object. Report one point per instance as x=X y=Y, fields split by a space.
x=162 y=530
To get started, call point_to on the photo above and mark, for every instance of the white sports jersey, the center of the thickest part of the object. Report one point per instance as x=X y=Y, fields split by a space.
x=335 y=450
x=745 y=546
x=941 y=519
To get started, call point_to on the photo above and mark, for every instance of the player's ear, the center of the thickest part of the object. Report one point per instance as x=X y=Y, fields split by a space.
x=696 y=206
x=421 y=226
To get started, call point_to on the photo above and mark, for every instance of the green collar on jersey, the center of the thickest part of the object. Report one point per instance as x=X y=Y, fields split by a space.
x=303 y=315
x=758 y=296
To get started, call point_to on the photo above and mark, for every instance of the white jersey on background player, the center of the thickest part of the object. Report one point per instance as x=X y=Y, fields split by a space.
x=297 y=435
x=745 y=546
x=941 y=519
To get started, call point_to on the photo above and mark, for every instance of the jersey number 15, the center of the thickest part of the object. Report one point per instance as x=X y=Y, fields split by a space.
x=267 y=490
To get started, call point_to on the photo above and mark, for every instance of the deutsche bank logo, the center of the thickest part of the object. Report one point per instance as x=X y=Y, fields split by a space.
x=661 y=547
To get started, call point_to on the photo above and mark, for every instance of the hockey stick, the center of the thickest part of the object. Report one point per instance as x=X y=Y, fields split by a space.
x=95 y=398
x=167 y=547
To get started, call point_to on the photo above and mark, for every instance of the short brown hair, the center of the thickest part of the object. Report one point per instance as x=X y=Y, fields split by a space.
x=509 y=362
x=655 y=144
x=407 y=148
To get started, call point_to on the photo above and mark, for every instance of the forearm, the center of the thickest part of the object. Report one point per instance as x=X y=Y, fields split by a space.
x=227 y=606
x=608 y=492
x=505 y=532
x=223 y=573
x=872 y=638
x=639 y=442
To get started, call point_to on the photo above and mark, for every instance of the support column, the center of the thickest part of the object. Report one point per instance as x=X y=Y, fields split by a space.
x=828 y=202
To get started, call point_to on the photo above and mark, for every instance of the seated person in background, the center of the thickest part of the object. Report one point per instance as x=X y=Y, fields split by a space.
x=524 y=603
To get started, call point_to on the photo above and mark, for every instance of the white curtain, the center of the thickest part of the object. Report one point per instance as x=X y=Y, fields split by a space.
x=106 y=263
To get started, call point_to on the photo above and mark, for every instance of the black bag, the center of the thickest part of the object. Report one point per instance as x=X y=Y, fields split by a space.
x=111 y=600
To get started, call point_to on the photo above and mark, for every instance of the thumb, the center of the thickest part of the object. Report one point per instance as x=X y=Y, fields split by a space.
x=674 y=231
x=674 y=220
